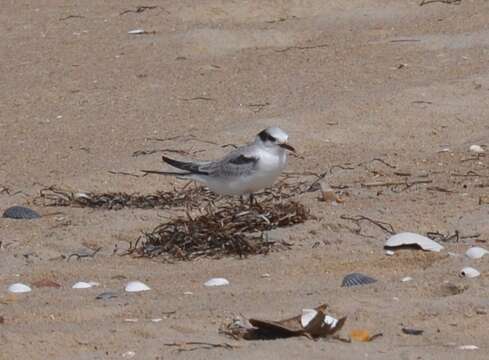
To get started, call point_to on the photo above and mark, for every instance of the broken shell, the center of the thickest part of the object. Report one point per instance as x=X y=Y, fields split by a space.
x=357 y=279
x=216 y=282
x=407 y=238
x=389 y=252
x=406 y=279
x=476 y=252
x=360 y=335
x=20 y=212
x=476 y=149
x=19 y=288
x=136 y=286
x=84 y=285
x=469 y=272
x=307 y=316
x=331 y=321
x=327 y=192
x=106 y=295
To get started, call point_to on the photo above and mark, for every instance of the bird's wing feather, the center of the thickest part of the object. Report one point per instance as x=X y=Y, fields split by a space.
x=239 y=162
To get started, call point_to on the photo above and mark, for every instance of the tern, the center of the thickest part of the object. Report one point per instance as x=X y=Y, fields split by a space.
x=243 y=171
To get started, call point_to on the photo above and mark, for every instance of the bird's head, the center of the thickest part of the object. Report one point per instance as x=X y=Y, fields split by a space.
x=273 y=137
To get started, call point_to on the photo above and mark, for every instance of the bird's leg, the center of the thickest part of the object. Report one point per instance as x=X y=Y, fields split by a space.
x=252 y=200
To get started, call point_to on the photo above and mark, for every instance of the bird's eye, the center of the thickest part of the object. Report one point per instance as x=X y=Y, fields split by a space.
x=264 y=136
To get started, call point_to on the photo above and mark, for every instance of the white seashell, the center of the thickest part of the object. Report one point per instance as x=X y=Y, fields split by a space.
x=83 y=285
x=131 y=320
x=406 y=279
x=136 y=286
x=188 y=293
x=136 y=32
x=469 y=272
x=157 y=320
x=468 y=347
x=476 y=149
x=389 y=252
x=476 y=252
x=216 y=282
x=128 y=354
x=307 y=316
x=19 y=288
x=407 y=238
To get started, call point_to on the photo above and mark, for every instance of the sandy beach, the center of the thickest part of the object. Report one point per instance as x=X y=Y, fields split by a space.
x=385 y=96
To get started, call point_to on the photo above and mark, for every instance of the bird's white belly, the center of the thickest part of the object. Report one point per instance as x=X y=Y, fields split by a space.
x=267 y=171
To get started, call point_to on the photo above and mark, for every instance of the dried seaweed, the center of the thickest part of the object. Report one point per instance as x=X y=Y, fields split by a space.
x=191 y=196
x=228 y=229
x=188 y=196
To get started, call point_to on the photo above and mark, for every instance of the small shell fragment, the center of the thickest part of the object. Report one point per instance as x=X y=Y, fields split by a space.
x=136 y=32
x=468 y=347
x=216 y=282
x=389 y=252
x=327 y=192
x=136 y=286
x=20 y=212
x=360 y=335
x=476 y=149
x=128 y=355
x=357 y=279
x=407 y=238
x=19 y=288
x=476 y=252
x=83 y=285
x=106 y=295
x=406 y=279
x=469 y=272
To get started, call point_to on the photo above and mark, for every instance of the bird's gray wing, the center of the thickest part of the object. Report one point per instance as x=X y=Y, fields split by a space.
x=239 y=162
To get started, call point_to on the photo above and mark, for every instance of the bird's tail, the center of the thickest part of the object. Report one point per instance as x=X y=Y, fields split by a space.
x=191 y=167
x=172 y=173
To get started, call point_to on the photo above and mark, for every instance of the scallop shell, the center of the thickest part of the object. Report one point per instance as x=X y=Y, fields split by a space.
x=476 y=252
x=20 y=212
x=216 y=282
x=136 y=286
x=19 y=288
x=407 y=238
x=357 y=279
x=469 y=272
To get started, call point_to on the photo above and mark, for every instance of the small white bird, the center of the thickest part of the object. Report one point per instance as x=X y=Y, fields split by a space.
x=244 y=171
